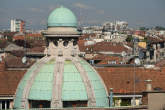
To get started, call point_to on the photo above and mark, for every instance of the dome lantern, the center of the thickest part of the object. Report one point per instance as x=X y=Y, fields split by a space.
x=62 y=17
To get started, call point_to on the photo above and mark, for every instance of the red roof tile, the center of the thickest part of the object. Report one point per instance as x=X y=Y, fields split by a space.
x=9 y=81
x=16 y=62
x=103 y=47
x=3 y=43
x=122 y=78
x=19 y=37
x=104 y=59
x=36 y=49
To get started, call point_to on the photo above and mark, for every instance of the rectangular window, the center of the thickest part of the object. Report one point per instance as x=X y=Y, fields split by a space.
x=126 y=102
x=74 y=103
x=4 y=104
x=39 y=104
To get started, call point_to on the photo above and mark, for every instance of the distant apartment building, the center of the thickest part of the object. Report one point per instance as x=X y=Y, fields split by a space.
x=115 y=26
x=17 y=25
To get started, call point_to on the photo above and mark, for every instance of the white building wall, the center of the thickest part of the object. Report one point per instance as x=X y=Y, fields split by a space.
x=12 y=25
x=15 y=25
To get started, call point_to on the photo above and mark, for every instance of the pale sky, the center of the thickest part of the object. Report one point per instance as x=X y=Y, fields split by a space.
x=35 y=12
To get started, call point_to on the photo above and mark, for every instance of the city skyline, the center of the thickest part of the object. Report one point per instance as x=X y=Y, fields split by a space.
x=136 y=12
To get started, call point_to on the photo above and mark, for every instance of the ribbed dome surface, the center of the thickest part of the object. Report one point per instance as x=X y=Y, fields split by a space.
x=62 y=17
x=40 y=77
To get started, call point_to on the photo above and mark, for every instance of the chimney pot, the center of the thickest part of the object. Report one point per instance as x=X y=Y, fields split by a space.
x=148 y=85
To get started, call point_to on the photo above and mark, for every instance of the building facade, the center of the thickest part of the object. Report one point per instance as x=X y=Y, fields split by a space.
x=17 y=25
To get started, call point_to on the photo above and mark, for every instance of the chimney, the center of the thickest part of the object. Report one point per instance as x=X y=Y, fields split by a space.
x=148 y=85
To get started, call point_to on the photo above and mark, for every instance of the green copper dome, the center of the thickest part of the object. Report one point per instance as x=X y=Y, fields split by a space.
x=62 y=17
x=38 y=83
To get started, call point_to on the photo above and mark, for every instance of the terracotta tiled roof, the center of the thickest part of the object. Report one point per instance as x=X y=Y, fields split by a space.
x=81 y=45
x=9 y=81
x=36 y=43
x=119 y=78
x=85 y=36
x=36 y=49
x=16 y=62
x=34 y=35
x=122 y=78
x=19 y=53
x=19 y=37
x=3 y=43
x=161 y=63
x=130 y=44
x=104 y=59
x=22 y=37
x=107 y=59
x=103 y=47
x=155 y=39
x=109 y=46
x=13 y=47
